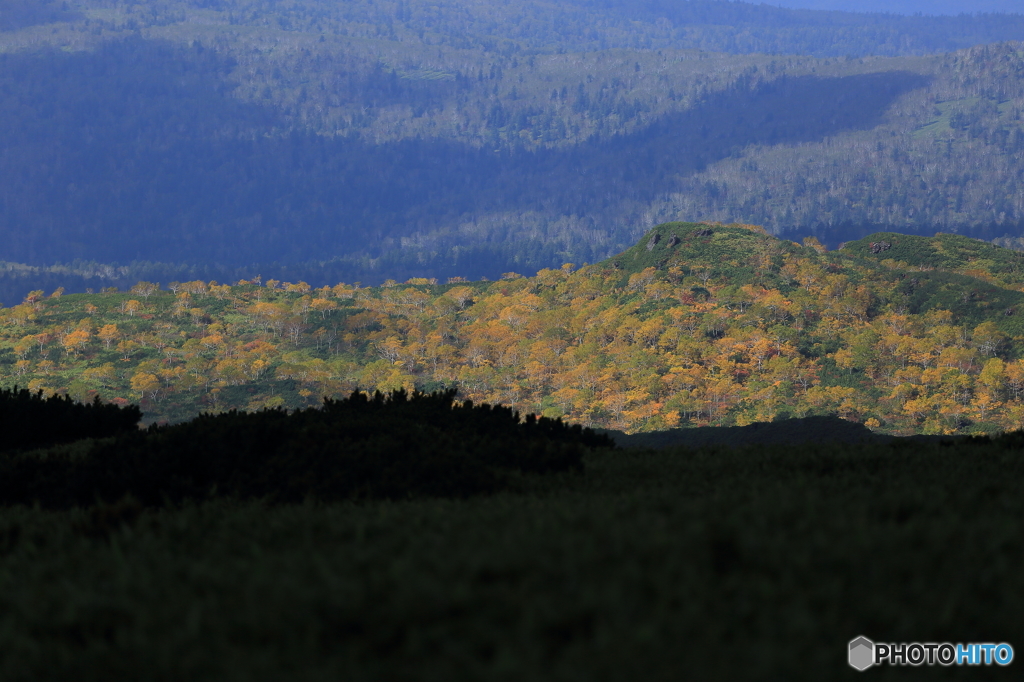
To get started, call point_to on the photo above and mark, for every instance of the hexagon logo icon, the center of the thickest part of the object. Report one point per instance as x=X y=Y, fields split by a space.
x=862 y=653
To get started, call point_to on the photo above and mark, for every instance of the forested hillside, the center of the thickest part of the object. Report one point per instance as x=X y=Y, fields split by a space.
x=696 y=324
x=569 y=26
x=361 y=141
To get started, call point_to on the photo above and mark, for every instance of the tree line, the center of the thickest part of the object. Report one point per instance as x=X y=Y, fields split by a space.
x=360 y=447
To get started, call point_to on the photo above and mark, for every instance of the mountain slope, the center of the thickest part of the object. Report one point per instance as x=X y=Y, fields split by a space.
x=239 y=134
x=541 y=26
x=697 y=324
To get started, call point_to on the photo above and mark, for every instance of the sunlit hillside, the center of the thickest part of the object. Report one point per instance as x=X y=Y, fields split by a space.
x=697 y=324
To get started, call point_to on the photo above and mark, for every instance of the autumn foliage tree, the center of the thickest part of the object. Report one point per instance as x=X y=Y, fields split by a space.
x=713 y=324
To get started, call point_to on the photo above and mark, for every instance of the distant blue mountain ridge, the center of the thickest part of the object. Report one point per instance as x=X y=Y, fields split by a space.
x=933 y=7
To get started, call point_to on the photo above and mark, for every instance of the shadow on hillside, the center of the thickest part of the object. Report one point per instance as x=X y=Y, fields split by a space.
x=819 y=430
x=795 y=110
x=140 y=151
x=788 y=110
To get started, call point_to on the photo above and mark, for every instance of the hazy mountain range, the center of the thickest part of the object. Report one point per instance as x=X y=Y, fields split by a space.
x=365 y=140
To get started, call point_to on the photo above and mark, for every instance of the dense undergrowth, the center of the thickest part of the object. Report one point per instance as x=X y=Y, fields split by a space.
x=411 y=537
x=741 y=564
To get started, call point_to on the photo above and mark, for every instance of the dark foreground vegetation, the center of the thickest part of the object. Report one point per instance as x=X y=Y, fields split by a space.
x=755 y=562
x=393 y=447
x=31 y=420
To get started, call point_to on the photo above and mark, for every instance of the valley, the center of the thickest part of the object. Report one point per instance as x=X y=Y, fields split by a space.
x=362 y=144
